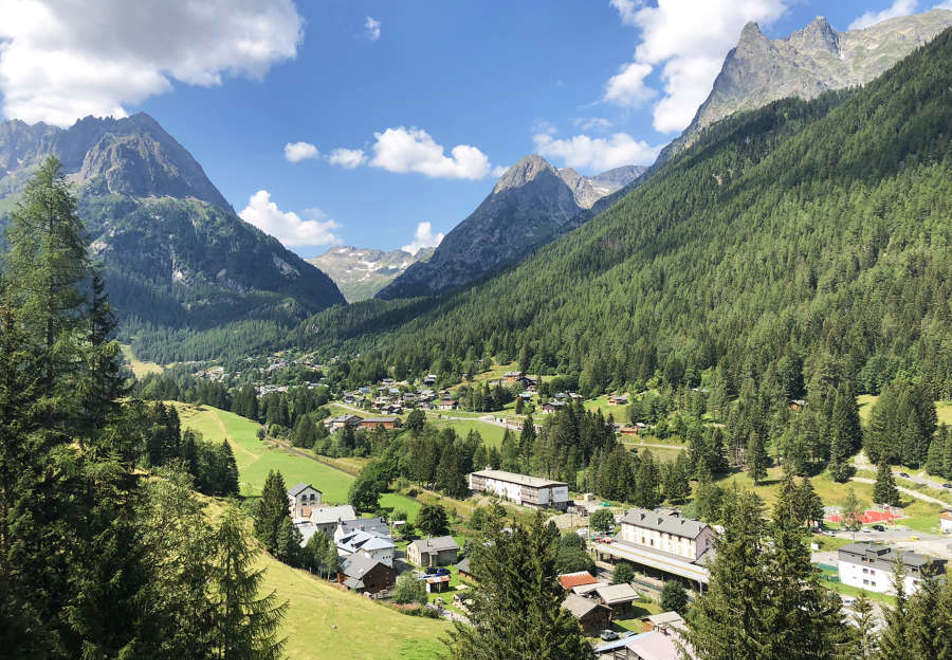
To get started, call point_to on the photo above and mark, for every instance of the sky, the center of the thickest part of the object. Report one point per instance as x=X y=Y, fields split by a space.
x=381 y=123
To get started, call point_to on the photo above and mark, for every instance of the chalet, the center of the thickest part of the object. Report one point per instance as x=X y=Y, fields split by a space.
x=945 y=522
x=552 y=406
x=388 y=423
x=429 y=379
x=337 y=423
x=464 y=570
x=628 y=430
x=327 y=518
x=302 y=498
x=513 y=376
x=521 y=488
x=618 y=597
x=447 y=404
x=618 y=400
x=365 y=575
x=528 y=383
x=572 y=580
x=439 y=551
x=869 y=566
x=654 y=645
x=378 y=548
x=592 y=616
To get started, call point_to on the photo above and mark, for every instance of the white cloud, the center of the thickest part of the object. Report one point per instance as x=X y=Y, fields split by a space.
x=347 y=158
x=499 y=170
x=593 y=124
x=423 y=238
x=413 y=150
x=597 y=154
x=295 y=152
x=372 y=26
x=627 y=88
x=287 y=226
x=688 y=40
x=944 y=5
x=897 y=8
x=62 y=59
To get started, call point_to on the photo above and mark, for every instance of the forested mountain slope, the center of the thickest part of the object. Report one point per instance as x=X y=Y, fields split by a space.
x=796 y=234
x=175 y=254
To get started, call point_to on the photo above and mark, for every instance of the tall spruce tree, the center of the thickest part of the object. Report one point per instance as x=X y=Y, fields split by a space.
x=516 y=610
x=884 y=490
x=756 y=457
x=272 y=511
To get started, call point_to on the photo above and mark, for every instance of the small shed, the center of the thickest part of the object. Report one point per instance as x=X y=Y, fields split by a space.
x=591 y=615
x=619 y=597
x=437 y=583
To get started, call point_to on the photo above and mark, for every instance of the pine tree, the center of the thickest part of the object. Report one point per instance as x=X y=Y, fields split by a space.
x=756 y=457
x=229 y=485
x=884 y=490
x=852 y=511
x=894 y=641
x=272 y=511
x=516 y=610
x=246 y=622
x=432 y=520
x=862 y=639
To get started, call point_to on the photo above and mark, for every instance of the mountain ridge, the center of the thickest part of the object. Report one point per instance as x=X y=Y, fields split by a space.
x=359 y=273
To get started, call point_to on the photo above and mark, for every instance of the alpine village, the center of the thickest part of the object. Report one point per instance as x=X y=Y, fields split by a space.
x=685 y=401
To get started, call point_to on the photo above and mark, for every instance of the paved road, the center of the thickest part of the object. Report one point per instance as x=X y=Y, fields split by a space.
x=908 y=491
x=860 y=462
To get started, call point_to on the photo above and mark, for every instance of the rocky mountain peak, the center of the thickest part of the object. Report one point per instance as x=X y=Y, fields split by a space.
x=817 y=35
x=527 y=169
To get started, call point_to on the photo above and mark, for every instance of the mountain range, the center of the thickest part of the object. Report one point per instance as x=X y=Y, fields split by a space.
x=174 y=251
x=361 y=272
x=532 y=204
x=805 y=64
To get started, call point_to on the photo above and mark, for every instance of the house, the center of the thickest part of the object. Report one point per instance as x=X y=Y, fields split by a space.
x=618 y=597
x=326 y=518
x=388 y=423
x=375 y=526
x=572 y=580
x=463 y=569
x=667 y=531
x=628 y=430
x=869 y=566
x=618 y=400
x=439 y=551
x=447 y=404
x=663 y=621
x=365 y=575
x=302 y=498
x=654 y=645
x=378 y=548
x=945 y=522
x=592 y=616
x=552 y=407
x=337 y=423
x=521 y=488
x=513 y=376
x=429 y=379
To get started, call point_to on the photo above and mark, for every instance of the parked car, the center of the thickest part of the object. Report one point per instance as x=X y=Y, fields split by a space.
x=904 y=475
x=947 y=485
x=879 y=528
x=608 y=635
x=437 y=572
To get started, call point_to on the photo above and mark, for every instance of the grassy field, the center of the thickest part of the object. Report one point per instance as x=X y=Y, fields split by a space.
x=491 y=433
x=867 y=401
x=256 y=458
x=139 y=368
x=618 y=413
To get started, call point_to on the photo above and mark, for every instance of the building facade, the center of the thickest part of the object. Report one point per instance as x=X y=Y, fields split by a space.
x=869 y=566
x=302 y=499
x=521 y=488
x=669 y=533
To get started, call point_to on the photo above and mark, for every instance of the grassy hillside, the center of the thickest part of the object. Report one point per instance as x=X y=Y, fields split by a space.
x=256 y=458
x=805 y=229
x=139 y=368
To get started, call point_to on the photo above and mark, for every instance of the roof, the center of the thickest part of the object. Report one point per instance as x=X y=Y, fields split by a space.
x=881 y=553
x=619 y=643
x=353 y=583
x=357 y=566
x=379 y=420
x=580 y=606
x=361 y=540
x=375 y=526
x=521 y=479
x=585 y=589
x=661 y=522
x=333 y=514
x=463 y=566
x=666 y=619
x=570 y=580
x=438 y=544
x=656 y=645
x=297 y=489
x=614 y=594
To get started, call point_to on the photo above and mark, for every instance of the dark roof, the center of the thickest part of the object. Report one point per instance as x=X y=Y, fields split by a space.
x=881 y=554
x=375 y=526
x=357 y=566
x=661 y=522
x=296 y=489
x=463 y=566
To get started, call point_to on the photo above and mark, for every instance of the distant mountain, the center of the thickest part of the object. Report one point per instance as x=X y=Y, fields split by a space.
x=809 y=62
x=532 y=204
x=361 y=272
x=174 y=251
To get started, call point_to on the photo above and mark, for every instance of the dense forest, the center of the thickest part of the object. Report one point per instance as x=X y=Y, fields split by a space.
x=803 y=233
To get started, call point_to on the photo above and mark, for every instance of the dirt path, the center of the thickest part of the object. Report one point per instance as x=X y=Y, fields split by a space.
x=907 y=491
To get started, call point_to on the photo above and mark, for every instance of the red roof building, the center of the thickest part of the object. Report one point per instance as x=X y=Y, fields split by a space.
x=572 y=580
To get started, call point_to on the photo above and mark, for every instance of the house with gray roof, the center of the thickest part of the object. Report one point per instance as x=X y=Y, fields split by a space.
x=376 y=526
x=591 y=615
x=870 y=566
x=378 y=548
x=326 y=518
x=439 y=551
x=366 y=575
x=521 y=488
x=302 y=498
x=666 y=531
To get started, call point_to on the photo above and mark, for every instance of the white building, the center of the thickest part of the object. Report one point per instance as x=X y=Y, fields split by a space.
x=368 y=545
x=302 y=499
x=327 y=518
x=521 y=488
x=869 y=566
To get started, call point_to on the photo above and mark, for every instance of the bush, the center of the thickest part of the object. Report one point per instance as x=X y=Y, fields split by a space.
x=623 y=574
x=602 y=520
x=409 y=590
x=673 y=597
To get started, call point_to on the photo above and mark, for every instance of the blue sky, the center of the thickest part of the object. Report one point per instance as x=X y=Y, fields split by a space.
x=589 y=83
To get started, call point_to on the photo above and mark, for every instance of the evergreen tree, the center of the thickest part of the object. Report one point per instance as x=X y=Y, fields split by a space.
x=884 y=490
x=272 y=511
x=516 y=610
x=894 y=641
x=623 y=574
x=673 y=597
x=756 y=457
x=246 y=623
x=229 y=484
x=852 y=511
x=432 y=520
x=862 y=639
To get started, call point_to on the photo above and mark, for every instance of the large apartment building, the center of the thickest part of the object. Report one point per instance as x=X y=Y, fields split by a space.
x=667 y=532
x=869 y=566
x=521 y=488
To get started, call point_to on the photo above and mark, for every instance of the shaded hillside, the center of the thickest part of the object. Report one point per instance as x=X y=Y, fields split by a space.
x=797 y=234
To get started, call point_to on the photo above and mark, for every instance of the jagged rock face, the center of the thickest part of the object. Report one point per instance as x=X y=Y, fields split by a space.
x=809 y=62
x=532 y=204
x=174 y=251
x=361 y=272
